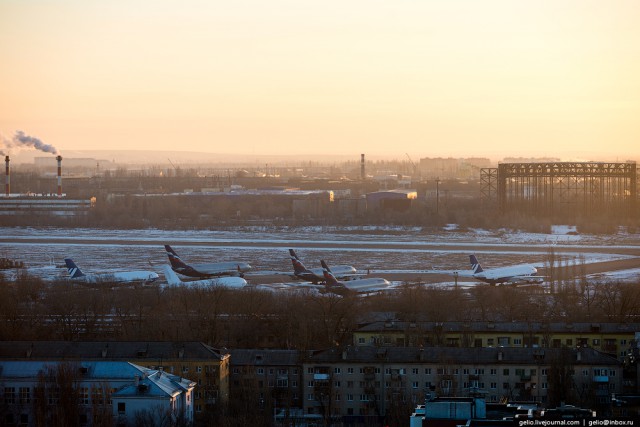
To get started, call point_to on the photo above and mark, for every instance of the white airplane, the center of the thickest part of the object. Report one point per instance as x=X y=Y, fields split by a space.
x=229 y=268
x=511 y=274
x=230 y=281
x=316 y=275
x=116 y=276
x=369 y=284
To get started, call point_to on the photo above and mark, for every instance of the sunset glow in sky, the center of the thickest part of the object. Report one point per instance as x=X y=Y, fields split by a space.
x=489 y=78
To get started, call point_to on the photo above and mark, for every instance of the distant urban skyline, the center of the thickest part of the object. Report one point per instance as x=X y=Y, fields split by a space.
x=495 y=79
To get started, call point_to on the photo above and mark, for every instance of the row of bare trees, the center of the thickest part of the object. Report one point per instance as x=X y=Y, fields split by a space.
x=250 y=318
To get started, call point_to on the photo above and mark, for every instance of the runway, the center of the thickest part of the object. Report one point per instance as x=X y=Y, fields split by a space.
x=398 y=256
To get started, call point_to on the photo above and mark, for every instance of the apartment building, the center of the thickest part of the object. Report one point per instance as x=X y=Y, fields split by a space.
x=611 y=338
x=365 y=381
x=206 y=366
x=91 y=393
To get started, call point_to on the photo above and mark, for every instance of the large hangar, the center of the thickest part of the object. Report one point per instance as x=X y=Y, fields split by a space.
x=563 y=189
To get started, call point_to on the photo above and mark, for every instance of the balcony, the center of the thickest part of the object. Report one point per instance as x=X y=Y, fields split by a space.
x=600 y=379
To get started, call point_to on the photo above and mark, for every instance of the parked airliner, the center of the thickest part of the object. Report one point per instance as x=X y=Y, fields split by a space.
x=512 y=274
x=369 y=284
x=116 y=276
x=230 y=282
x=316 y=275
x=229 y=268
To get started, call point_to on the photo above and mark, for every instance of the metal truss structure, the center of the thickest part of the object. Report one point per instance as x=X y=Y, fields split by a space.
x=563 y=189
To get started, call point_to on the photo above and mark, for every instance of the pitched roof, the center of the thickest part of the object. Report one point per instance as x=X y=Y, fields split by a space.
x=458 y=355
x=107 y=350
x=241 y=357
x=505 y=327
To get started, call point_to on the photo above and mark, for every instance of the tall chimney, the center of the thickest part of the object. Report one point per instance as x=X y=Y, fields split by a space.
x=362 y=175
x=59 y=159
x=8 y=177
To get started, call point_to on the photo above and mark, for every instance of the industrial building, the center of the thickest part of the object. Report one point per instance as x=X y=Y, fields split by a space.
x=563 y=189
x=42 y=204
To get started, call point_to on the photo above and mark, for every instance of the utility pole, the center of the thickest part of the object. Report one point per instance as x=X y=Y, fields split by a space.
x=437 y=195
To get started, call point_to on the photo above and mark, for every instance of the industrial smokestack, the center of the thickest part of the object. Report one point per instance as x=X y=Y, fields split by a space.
x=59 y=159
x=8 y=177
x=362 y=175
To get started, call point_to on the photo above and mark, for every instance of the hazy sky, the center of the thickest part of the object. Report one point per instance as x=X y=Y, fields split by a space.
x=429 y=78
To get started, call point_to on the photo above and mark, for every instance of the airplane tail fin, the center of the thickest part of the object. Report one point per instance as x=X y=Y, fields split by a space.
x=174 y=259
x=171 y=277
x=475 y=265
x=298 y=266
x=73 y=269
x=329 y=278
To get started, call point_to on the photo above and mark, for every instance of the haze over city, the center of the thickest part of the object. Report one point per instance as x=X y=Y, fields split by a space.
x=431 y=78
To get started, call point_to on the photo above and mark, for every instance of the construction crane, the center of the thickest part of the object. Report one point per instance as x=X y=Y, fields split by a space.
x=416 y=172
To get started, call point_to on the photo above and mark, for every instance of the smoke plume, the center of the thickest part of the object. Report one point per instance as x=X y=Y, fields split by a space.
x=20 y=139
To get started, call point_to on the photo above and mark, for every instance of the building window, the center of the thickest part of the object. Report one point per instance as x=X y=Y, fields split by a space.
x=349 y=370
x=337 y=370
x=494 y=371
x=309 y=370
x=414 y=371
x=84 y=395
x=427 y=371
x=350 y=397
x=544 y=372
x=310 y=396
x=505 y=372
x=310 y=384
x=517 y=341
x=414 y=384
x=503 y=341
x=260 y=371
x=199 y=369
x=25 y=395
x=336 y=384
x=9 y=395
x=493 y=385
x=338 y=397
x=121 y=407
x=361 y=340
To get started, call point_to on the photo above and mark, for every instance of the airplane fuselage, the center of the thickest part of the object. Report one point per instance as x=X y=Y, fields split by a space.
x=515 y=274
x=124 y=276
x=214 y=269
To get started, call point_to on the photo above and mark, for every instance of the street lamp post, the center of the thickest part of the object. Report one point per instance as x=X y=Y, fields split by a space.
x=437 y=195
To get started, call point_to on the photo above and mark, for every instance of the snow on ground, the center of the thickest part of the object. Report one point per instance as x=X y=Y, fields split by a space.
x=378 y=249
